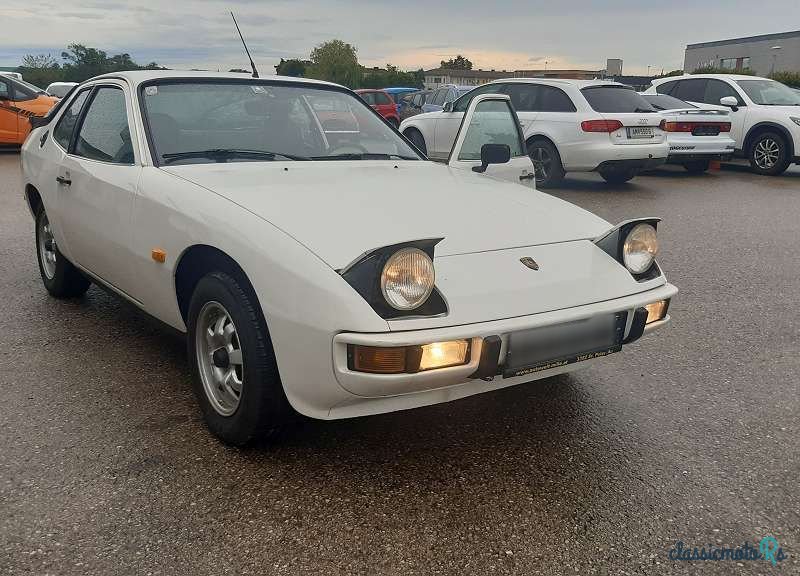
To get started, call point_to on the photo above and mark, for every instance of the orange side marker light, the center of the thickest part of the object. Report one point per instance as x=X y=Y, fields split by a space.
x=159 y=255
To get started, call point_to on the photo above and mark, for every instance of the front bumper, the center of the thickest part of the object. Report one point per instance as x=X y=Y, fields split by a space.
x=377 y=393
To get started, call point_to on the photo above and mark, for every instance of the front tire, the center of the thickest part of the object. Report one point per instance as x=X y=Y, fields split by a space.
x=417 y=139
x=618 y=176
x=769 y=154
x=546 y=164
x=235 y=374
x=60 y=277
x=697 y=166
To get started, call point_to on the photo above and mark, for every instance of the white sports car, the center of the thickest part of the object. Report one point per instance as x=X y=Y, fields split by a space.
x=318 y=264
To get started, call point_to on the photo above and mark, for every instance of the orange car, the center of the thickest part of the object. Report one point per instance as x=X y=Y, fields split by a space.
x=18 y=102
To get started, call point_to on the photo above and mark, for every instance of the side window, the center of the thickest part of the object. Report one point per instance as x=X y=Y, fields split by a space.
x=690 y=90
x=382 y=99
x=66 y=124
x=22 y=93
x=104 y=133
x=462 y=103
x=554 y=100
x=717 y=89
x=523 y=96
x=666 y=87
x=492 y=123
x=5 y=90
x=368 y=97
x=439 y=97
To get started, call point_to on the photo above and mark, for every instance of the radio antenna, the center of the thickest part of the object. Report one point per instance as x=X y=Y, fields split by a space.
x=252 y=64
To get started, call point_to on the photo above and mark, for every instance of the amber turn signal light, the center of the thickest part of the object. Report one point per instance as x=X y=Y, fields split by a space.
x=656 y=311
x=158 y=255
x=407 y=359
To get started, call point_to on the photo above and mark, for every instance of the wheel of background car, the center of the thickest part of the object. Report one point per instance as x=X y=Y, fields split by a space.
x=60 y=277
x=546 y=163
x=417 y=139
x=696 y=166
x=769 y=154
x=617 y=176
x=235 y=374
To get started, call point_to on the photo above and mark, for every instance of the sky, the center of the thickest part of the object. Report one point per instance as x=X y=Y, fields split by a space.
x=412 y=34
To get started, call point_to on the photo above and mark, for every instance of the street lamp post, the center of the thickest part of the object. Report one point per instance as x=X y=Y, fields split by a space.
x=774 y=58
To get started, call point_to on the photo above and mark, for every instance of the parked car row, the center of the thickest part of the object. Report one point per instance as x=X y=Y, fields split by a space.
x=316 y=262
x=606 y=127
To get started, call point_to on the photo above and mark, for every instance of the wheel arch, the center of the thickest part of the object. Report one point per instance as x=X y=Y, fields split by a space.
x=543 y=137
x=33 y=199
x=762 y=127
x=200 y=259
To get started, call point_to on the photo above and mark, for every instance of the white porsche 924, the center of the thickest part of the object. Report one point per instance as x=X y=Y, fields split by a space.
x=317 y=262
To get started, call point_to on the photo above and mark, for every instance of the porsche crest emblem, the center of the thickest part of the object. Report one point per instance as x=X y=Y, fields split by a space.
x=529 y=262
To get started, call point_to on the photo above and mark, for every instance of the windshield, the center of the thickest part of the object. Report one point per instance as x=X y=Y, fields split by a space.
x=664 y=102
x=618 y=99
x=29 y=86
x=219 y=121
x=769 y=93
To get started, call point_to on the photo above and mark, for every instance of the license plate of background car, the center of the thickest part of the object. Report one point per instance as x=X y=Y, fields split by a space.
x=538 y=349
x=706 y=131
x=640 y=132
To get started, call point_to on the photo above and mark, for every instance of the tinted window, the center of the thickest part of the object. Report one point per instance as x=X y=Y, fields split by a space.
x=104 y=133
x=462 y=103
x=523 y=96
x=5 y=89
x=664 y=102
x=368 y=97
x=666 y=87
x=63 y=132
x=382 y=99
x=554 y=100
x=690 y=90
x=615 y=99
x=439 y=96
x=492 y=123
x=717 y=89
x=24 y=91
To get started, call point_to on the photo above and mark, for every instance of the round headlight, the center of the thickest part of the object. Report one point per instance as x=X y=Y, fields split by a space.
x=640 y=248
x=407 y=279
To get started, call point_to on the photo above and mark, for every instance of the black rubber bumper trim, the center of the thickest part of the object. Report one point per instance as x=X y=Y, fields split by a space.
x=637 y=326
x=488 y=367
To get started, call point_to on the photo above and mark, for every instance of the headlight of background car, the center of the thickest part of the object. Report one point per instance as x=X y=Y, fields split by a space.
x=640 y=248
x=407 y=279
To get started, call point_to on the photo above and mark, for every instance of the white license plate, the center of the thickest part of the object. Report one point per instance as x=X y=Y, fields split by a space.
x=641 y=132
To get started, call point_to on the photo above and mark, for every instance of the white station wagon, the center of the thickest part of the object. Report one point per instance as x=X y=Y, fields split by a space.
x=317 y=262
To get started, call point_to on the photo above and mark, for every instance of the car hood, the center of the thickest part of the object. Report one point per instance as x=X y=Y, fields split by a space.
x=341 y=209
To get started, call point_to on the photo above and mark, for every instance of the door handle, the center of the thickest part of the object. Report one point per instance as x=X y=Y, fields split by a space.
x=529 y=176
x=63 y=181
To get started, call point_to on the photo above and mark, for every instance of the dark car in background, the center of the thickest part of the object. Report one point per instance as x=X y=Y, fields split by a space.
x=411 y=103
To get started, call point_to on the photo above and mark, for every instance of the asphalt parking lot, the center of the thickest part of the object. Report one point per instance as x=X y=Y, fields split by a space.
x=691 y=434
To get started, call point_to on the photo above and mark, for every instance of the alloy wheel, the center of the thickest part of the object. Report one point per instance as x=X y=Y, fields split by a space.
x=47 y=248
x=766 y=153
x=219 y=358
x=542 y=163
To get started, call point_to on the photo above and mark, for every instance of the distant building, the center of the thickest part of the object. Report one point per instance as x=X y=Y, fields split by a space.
x=762 y=54
x=441 y=76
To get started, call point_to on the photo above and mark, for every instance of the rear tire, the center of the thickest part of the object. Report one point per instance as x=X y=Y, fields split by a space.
x=417 y=139
x=618 y=176
x=769 y=154
x=546 y=164
x=235 y=374
x=60 y=277
x=697 y=166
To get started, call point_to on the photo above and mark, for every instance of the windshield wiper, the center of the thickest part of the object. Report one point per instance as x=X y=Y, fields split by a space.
x=364 y=156
x=225 y=154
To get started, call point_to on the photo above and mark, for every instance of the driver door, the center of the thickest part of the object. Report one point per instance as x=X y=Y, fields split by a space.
x=490 y=119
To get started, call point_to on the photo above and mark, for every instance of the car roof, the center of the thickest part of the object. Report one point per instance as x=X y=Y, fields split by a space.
x=707 y=76
x=558 y=82
x=136 y=77
x=399 y=89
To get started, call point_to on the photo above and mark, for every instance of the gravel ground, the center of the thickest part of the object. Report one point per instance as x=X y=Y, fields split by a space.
x=690 y=434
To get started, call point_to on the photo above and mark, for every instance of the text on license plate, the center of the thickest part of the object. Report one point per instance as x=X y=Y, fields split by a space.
x=641 y=132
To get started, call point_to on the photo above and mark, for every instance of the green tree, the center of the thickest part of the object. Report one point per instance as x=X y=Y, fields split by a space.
x=789 y=78
x=335 y=61
x=391 y=76
x=457 y=63
x=291 y=67
x=40 y=70
x=82 y=62
x=713 y=70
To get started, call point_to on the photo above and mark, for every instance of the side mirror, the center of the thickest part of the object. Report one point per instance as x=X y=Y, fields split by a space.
x=730 y=102
x=493 y=154
x=448 y=107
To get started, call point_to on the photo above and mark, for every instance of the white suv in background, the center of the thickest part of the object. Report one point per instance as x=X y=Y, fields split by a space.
x=568 y=125
x=765 y=114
